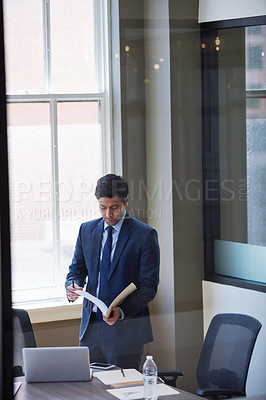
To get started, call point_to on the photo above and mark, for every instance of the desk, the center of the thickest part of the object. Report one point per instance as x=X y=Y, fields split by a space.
x=93 y=390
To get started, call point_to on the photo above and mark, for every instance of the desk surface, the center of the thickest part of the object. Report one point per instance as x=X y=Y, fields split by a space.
x=93 y=390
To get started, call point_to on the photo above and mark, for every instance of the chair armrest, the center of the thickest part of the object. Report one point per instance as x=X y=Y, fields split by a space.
x=219 y=392
x=169 y=377
x=17 y=371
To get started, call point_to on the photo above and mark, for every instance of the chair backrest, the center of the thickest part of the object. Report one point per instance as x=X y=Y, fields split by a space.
x=23 y=336
x=226 y=351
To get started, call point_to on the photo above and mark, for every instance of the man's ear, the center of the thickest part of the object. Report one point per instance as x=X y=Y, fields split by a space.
x=126 y=202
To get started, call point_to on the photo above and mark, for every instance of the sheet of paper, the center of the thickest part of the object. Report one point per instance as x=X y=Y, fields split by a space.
x=110 y=377
x=136 y=392
x=16 y=386
x=99 y=303
x=115 y=303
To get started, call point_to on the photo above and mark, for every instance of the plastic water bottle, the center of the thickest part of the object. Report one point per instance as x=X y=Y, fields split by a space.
x=150 y=379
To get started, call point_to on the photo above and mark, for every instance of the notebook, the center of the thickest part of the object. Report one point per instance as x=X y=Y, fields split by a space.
x=56 y=364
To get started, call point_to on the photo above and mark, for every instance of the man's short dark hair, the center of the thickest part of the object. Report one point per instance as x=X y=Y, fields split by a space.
x=112 y=185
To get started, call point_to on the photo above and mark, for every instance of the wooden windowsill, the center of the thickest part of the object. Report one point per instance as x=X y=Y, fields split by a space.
x=49 y=312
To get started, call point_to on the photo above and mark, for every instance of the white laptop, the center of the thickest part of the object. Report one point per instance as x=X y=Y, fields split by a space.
x=56 y=364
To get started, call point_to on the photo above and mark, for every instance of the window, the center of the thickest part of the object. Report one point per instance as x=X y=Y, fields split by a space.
x=255 y=57
x=234 y=116
x=58 y=134
x=255 y=141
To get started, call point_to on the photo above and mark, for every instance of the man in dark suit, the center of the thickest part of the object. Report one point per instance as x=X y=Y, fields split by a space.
x=133 y=256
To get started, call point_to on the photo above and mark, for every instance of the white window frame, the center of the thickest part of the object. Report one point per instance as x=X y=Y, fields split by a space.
x=56 y=295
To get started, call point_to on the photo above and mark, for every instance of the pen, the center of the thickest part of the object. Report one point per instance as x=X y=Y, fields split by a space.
x=70 y=301
x=122 y=372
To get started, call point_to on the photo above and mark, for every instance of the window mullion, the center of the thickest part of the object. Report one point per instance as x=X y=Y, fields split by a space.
x=47 y=45
x=106 y=142
x=256 y=94
x=97 y=5
x=55 y=189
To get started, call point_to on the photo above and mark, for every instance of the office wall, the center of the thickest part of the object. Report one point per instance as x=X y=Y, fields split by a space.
x=219 y=298
x=214 y=10
x=133 y=104
x=187 y=202
x=159 y=172
x=187 y=189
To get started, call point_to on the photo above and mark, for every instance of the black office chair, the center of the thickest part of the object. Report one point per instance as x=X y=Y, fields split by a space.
x=169 y=377
x=225 y=356
x=23 y=336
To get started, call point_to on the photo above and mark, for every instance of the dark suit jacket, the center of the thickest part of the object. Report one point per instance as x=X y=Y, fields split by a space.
x=136 y=259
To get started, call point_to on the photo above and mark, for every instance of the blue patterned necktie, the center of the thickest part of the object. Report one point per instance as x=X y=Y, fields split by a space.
x=104 y=270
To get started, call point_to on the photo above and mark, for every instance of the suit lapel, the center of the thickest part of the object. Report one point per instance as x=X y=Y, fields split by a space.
x=124 y=235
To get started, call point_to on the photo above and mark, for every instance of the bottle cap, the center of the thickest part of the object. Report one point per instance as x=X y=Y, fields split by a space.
x=149 y=357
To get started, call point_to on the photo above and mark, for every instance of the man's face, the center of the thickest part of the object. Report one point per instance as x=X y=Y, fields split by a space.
x=112 y=209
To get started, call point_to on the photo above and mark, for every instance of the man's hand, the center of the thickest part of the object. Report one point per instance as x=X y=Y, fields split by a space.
x=70 y=292
x=115 y=315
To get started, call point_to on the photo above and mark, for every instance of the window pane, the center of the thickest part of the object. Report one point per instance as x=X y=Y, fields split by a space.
x=256 y=171
x=29 y=148
x=256 y=58
x=72 y=43
x=254 y=30
x=24 y=46
x=80 y=159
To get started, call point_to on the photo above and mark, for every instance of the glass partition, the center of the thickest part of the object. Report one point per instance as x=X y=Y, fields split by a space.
x=234 y=124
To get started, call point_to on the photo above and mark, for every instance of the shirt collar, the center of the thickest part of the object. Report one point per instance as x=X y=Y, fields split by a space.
x=117 y=226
